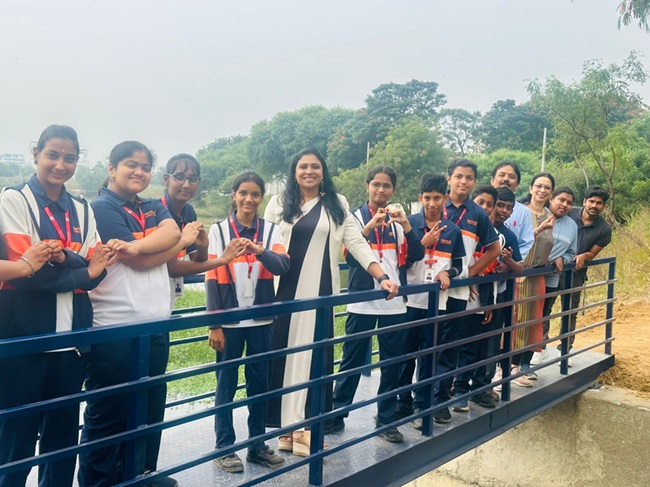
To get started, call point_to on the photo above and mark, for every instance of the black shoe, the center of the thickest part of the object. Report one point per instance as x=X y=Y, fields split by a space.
x=163 y=482
x=484 y=399
x=392 y=435
x=334 y=426
x=229 y=463
x=442 y=416
x=402 y=410
x=417 y=422
x=266 y=457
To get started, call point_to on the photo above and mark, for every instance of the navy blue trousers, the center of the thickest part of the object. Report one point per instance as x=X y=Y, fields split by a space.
x=257 y=339
x=447 y=360
x=414 y=340
x=33 y=378
x=354 y=355
x=110 y=364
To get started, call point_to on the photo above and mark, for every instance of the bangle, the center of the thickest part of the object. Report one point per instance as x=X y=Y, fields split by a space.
x=535 y=233
x=22 y=257
x=383 y=278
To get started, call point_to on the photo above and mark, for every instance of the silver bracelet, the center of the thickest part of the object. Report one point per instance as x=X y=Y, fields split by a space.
x=22 y=257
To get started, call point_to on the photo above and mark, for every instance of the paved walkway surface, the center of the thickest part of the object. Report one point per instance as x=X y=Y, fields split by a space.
x=188 y=441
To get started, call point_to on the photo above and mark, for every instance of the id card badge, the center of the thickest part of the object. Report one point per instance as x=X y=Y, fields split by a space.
x=429 y=274
x=249 y=288
x=177 y=282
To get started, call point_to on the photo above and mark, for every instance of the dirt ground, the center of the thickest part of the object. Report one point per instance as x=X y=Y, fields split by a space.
x=631 y=345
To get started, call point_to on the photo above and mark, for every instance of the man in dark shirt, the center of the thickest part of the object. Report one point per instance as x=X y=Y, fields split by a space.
x=594 y=234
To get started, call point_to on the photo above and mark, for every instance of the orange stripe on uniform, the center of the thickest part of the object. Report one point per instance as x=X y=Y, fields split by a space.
x=469 y=234
x=278 y=248
x=16 y=244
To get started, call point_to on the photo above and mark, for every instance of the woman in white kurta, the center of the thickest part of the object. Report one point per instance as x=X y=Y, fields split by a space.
x=314 y=222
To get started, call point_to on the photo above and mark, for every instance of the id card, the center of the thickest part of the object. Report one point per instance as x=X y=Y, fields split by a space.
x=429 y=274
x=178 y=285
x=249 y=288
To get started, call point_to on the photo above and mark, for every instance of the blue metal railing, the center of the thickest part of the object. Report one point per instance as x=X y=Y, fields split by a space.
x=139 y=333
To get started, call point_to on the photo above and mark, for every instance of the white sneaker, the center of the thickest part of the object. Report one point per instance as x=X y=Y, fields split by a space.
x=539 y=357
x=569 y=362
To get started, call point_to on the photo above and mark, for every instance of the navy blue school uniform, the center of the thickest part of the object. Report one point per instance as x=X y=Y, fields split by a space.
x=447 y=254
x=393 y=248
x=126 y=295
x=54 y=299
x=226 y=287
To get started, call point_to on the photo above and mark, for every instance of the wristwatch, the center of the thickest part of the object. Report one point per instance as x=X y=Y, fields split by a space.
x=383 y=278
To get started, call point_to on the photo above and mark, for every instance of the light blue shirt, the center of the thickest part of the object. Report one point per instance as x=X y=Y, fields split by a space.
x=521 y=224
x=565 y=243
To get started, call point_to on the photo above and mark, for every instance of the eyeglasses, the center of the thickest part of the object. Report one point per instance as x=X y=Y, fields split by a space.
x=181 y=177
x=542 y=186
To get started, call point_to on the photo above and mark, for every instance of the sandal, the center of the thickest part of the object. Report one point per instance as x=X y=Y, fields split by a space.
x=302 y=443
x=285 y=442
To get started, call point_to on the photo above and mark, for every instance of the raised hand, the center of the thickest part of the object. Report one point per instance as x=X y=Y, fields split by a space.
x=432 y=236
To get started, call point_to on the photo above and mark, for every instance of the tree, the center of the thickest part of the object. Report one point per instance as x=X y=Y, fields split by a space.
x=391 y=103
x=510 y=126
x=90 y=179
x=411 y=149
x=459 y=129
x=274 y=142
x=631 y=10
x=584 y=113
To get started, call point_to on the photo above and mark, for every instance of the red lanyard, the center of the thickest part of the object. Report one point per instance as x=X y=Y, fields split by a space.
x=431 y=251
x=250 y=258
x=66 y=239
x=444 y=210
x=380 y=241
x=141 y=219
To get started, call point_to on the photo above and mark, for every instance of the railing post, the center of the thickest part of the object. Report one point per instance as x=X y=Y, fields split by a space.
x=566 y=306
x=506 y=363
x=429 y=360
x=610 y=306
x=319 y=393
x=137 y=407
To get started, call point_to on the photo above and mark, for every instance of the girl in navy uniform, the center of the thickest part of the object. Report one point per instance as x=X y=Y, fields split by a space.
x=245 y=281
x=143 y=237
x=45 y=299
x=181 y=179
x=394 y=243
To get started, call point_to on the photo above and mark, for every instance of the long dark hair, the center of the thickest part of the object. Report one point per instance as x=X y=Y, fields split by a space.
x=291 y=198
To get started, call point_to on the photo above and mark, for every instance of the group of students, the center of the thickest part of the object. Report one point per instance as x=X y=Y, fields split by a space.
x=68 y=265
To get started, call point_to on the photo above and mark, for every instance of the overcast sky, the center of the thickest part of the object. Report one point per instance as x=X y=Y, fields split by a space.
x=178 y=74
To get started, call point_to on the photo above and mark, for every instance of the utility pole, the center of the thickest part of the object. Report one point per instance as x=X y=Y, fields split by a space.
x=544 y=151
x=367 y=152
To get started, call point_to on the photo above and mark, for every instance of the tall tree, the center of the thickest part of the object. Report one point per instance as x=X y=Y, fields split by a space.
x=411 y=149
x=274 y=142
x=391 y=103
x=584 y=112
x=510 y=126
x=459 y=129
x=634 y=10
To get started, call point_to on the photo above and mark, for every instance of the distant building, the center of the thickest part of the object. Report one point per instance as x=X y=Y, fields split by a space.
x=13 y=159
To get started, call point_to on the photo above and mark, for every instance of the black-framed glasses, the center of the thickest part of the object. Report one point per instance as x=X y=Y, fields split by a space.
x=181 y=177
